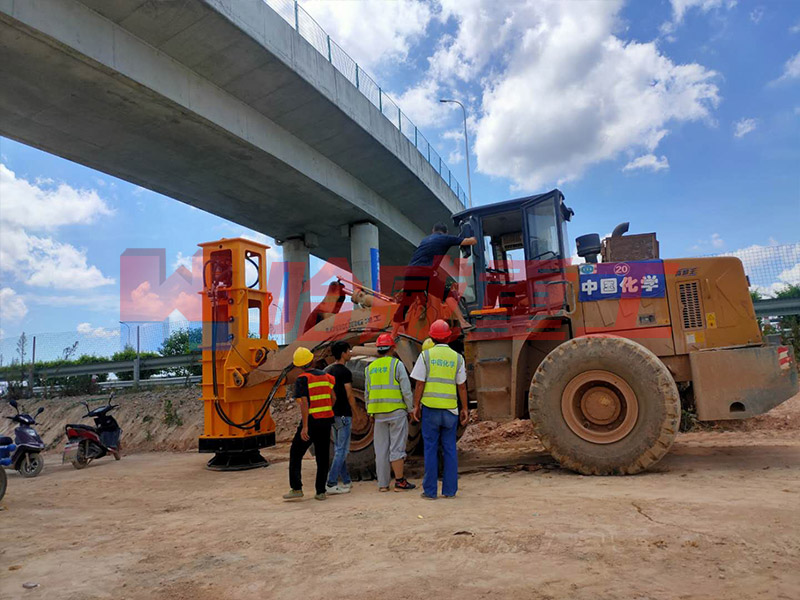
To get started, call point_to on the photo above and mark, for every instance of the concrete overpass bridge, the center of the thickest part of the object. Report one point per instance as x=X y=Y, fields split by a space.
x=244 y=109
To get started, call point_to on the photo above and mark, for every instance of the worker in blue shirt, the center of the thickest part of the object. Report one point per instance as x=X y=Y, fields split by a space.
x=420 y=275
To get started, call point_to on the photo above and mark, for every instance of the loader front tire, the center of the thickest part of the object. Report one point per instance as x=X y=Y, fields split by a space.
x=604 y=406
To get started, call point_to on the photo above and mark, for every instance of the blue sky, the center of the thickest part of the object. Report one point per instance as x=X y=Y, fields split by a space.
x=682 y=117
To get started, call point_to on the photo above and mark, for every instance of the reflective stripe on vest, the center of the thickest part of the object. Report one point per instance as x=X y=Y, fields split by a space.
x=385 y=395
x=320 y=395
x=440 y=390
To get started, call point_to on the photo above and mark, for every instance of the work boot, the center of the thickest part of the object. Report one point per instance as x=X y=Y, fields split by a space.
x=403 y=485
x=321 y=496
x=293 y=495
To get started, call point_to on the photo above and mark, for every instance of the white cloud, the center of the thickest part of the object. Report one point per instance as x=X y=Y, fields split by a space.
x=560 y=91
x=770 y=268
x=421 y=104
x=743 y=126
x=795 y=28
x=41 y=206
x=647 y=162
x=757 y=14
x=791 y=69
x=456 y=139
x=98 y=332
x=680 y=7
x=41 y=260
x=182 y=261
x=717 y=241
x=371 y=31
x=12 y=306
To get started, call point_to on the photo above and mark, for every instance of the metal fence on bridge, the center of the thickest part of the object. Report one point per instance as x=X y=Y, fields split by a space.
x=314 y=34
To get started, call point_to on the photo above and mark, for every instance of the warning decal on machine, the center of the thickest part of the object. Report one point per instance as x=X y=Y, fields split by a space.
x=609 y=281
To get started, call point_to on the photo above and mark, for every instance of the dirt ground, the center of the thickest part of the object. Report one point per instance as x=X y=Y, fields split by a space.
x=716 y=519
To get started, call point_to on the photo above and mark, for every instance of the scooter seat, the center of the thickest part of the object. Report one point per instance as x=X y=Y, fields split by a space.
x=82 y=426
x=6 y=441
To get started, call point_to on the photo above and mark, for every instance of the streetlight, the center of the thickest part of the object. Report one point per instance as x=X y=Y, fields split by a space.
x=466 y=144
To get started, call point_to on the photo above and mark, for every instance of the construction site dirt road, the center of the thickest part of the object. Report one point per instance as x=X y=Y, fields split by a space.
x=716 y=519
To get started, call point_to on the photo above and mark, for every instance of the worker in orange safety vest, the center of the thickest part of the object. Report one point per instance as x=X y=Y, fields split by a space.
x=313 y=389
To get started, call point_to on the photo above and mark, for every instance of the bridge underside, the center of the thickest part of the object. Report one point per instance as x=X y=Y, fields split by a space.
x=123 y=116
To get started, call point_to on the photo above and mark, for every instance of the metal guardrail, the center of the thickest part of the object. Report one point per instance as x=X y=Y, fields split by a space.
x=153 y=382
x=121 y=366
x=777 y=307
x=314 y=34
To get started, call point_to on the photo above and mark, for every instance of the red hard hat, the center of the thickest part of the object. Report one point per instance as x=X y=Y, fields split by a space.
x=440 y=330
x=385 y=340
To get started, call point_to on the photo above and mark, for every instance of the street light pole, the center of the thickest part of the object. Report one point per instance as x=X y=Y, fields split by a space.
x=466 y=145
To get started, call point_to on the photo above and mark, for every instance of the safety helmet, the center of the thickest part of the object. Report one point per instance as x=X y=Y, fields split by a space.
x=428 y=344
x=302 y=357
x=385 y=341
x=440 y=330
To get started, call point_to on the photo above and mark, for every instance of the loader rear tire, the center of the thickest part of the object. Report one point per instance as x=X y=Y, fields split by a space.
x=604 y=406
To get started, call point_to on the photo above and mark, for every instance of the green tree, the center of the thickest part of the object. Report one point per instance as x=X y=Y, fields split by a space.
x=180 y=343
x=789 y=325
x=129 y=353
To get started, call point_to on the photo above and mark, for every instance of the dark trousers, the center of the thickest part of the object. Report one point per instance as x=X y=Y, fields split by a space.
x=319 y=434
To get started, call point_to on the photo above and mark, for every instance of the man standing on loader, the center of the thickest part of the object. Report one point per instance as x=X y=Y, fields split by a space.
x=314 y=391
x=389 y=400
x=420 y=273
x=441 y=386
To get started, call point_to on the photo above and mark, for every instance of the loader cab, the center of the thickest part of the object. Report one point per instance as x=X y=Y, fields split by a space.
x=519 y=259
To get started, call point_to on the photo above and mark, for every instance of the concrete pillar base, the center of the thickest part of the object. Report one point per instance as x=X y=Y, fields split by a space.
x=296 y=297
x=364 y=254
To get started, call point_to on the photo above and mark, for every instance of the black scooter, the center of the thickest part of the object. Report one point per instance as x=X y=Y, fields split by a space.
x=27 y=459
x=86 y=443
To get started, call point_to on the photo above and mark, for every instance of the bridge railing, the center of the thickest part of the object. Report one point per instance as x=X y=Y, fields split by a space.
x=314 y=34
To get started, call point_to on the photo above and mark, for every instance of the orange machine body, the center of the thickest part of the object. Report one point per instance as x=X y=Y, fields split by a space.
x=235 y=341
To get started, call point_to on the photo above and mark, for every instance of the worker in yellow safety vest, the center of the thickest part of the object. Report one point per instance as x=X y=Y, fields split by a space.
x=313 y=389
x=441 y=386
x=387 y=393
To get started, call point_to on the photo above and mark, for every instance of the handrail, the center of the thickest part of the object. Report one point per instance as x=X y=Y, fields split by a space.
x=305 y=25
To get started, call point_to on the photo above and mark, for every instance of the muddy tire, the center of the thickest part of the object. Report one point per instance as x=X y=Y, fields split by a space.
x=81 y=459
x=361 y=460
x=604 y=406
x=3 y=482
x=31 y=465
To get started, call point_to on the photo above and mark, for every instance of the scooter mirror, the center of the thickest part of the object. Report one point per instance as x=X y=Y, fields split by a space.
x=13 y=403
x=40 y=411
x=111 y=397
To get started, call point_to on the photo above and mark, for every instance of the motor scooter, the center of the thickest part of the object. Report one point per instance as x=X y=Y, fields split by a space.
x=7 y=448
x=86 y=443
x=27 y=459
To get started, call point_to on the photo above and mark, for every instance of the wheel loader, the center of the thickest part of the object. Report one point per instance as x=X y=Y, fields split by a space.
x=602 y=356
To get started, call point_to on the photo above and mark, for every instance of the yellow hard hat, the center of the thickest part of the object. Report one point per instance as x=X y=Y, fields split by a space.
x=302 y=357
x=428 y=344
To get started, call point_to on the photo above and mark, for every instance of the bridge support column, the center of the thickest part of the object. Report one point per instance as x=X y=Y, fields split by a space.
x=296 y=297
x=364 y=255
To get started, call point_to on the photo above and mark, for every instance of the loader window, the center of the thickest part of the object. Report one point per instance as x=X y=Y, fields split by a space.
x=543 y=232
x=504 y=259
